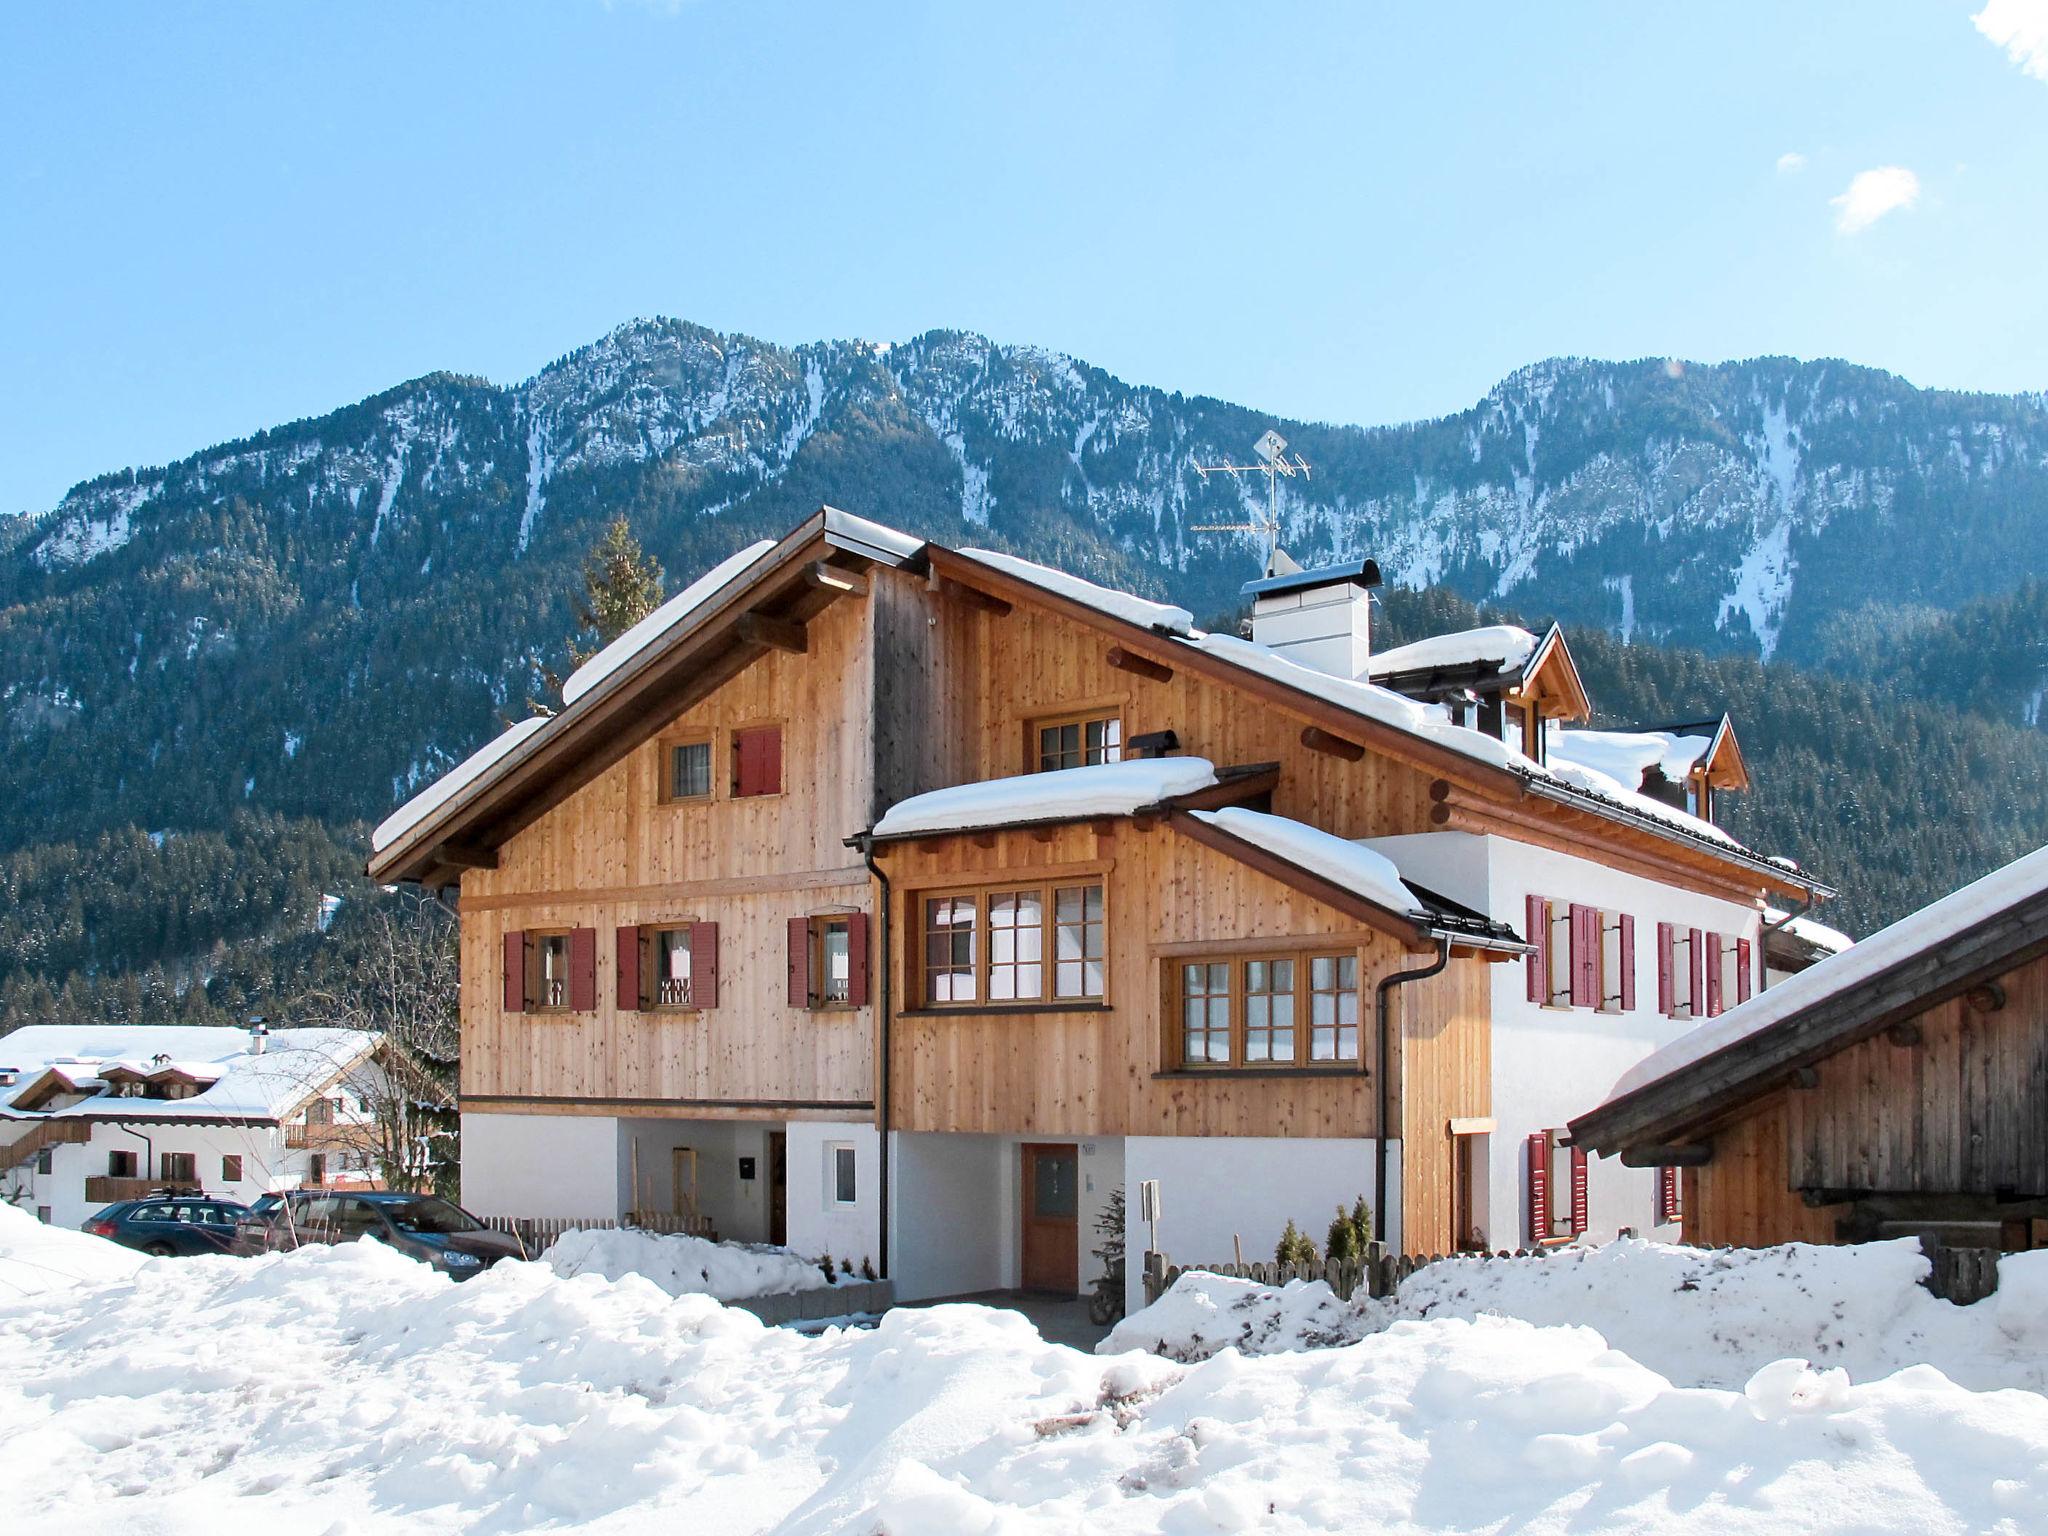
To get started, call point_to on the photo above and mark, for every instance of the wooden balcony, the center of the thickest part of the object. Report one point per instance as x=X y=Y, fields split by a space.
x=44 y=1133
x=326 y=1138
x=105 y=1189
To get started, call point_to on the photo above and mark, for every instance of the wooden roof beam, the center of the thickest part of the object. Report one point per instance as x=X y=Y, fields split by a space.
x=1139 y=666
x=1316 y=739
x=759 y=628
x=835 y=579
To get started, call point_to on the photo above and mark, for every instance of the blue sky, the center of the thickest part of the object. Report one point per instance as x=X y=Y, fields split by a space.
x=216 y=218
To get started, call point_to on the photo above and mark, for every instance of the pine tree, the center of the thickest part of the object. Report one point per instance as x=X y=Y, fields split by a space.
x=622 y=584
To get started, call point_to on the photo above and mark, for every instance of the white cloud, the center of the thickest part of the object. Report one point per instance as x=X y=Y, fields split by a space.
x=1873 y=194
x=1791 y=163
x=2020 y=27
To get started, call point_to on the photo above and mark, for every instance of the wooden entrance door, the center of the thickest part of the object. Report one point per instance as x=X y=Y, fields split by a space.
x=1462 y=1174
x=778 y=1188
x=1052 y=1219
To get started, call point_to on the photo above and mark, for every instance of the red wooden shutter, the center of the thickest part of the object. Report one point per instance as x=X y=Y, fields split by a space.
x=704 y=964
x=515 y=971
x=1539 y=958
x=857 y=959
x=1627 y=947
x=771 y=760
x=799 y=962
x=1696 y=960
x=1578 y=1190
x=1667 y=1195
x=1585 y=957
x=1743 y=980
x=759 y=751
x=583 y=970
x=631 y=998
x=1664 y=969
x=1539 y=1186
x=1713 y=974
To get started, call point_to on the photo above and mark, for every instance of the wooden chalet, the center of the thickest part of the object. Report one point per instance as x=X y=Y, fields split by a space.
x=705 y=971
x=1899 y=1086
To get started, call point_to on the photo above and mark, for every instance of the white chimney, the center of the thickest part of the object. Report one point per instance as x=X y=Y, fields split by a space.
x=1320 y=618
x=259 y=1032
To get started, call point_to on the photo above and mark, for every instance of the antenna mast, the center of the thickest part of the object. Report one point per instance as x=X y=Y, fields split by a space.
x=1274 y=463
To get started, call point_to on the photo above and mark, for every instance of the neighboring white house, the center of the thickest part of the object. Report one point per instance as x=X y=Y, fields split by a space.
x=91 y=1114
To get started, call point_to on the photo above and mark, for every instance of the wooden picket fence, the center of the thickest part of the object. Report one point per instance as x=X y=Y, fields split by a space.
x=536 y=1233
x=1378 y=1274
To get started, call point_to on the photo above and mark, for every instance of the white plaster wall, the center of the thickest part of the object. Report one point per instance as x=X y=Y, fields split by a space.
x=542 y=1165
x=953 y=1213
x=1214 y=1187
x=818 y=1224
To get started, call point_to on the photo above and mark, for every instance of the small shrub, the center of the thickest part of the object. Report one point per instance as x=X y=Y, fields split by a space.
x=1340 y=1244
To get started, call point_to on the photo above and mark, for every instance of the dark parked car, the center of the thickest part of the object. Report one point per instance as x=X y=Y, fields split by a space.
x=168 y=1224
x=424 y=1227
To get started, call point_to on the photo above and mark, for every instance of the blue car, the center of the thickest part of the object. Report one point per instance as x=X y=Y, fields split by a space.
x=170 y=1224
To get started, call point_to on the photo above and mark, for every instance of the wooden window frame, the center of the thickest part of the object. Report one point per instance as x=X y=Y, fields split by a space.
x=732 y=757
x=1303 y=956
x=650 y=971
x=166 y=1161
x=1108 y=710
x=231 y=1168
x=536 y=970
x=122 y=1164
x=665 y=770
x=1046 y=886
x=820 y=924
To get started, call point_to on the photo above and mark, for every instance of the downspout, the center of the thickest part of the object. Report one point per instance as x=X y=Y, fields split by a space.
x=1767 y=929
x=1383 y=1006
x=866 y=843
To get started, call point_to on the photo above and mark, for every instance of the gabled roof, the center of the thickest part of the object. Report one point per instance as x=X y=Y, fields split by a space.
x=1489 y=659
x=233 y=1085
x=1991 y=926
x=775 y=592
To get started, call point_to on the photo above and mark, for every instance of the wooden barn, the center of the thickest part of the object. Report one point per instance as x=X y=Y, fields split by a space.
x=1897 y=1088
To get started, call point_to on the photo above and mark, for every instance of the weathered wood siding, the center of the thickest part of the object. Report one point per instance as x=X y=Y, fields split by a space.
x=1744 y=1197
x=1108 y=1071
x=613 y=854
x=1962 y=1111
x=1445 y=1073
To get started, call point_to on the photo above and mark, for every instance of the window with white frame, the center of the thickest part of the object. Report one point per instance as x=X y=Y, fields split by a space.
x=842 y=1174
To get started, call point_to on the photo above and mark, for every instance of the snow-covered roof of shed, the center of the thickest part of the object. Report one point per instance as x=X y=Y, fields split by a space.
x=1924 y=930
x=1818 y=934
x=1140 y=611
x=1507 y=646
x=294 y=1065
x=1066 y=794
x=451 y=783
x=1625 y=756
x=676 y=610
x=1358 y=869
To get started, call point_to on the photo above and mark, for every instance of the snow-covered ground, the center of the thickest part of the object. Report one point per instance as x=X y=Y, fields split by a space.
x=350 y=1390
x=684 y=1266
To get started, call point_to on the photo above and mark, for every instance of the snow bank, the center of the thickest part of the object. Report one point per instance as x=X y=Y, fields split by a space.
x=1361 y=870
x=663 y=619
x=349 y=1389
x=684 y=1266
x=1702 y=1317
x=456 y=779
x=1926 y=929
x=1118 y=605
x=36 y=1260
x=1507 y=646
x=1107 y=789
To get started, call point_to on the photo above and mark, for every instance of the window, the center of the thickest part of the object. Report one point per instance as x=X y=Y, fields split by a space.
x=1250 y=1010
x=1670 y=1203
x=178 y=1167
x=1584 y=957
x=1077 y=741
x=231 y=1170
x=43 y=1214
x=320 y=1112
x=844 y=1168
x=1681 y=972
x=671 y=980
x=1514 y=726
x=828 y=960
x=1558 y=1203
x=686 y=770
x=45 y=1159
x=550 y=988
x=121 y=1165
x=1011 y=945
x=316 y=1169
x=757 y=761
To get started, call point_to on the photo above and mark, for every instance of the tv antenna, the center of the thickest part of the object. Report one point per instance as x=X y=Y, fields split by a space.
x=1274 y=464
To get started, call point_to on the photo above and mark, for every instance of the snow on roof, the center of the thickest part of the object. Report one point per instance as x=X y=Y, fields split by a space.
x=1926 y=929
x=1592 y=780
x=1509 y=646
x=456 y=779
x=295 y=1064
x=1820 y=935
x=666 y=617
x=1625 y=756
x=1118 y=605
x=1107 y=789
x=859 y=530
x=1363 y=871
